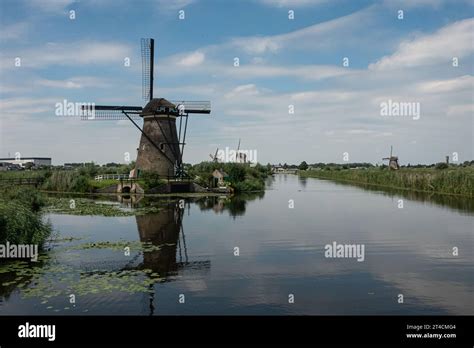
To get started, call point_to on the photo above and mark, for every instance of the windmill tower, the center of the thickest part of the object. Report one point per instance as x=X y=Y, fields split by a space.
x=392 y=161
x=162 y=141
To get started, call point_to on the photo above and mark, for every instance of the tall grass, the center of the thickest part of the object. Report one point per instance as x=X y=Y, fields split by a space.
x=21 y=221
x=453 y=180
x=67 y=181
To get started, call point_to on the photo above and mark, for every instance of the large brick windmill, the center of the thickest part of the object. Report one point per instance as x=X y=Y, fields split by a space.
x=162 y=142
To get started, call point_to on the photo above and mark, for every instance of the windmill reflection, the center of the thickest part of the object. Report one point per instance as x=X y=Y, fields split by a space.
x=165 y=230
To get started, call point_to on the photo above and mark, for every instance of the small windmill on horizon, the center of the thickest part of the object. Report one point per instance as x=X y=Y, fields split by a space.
x=240 y=157
x=215 y=157
x=162 y=142
x=392 y=161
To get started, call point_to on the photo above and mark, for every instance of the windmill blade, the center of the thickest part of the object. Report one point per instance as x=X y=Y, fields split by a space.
x=109 y=112
x=238 y=147
x=148 y=55
x=215 y=155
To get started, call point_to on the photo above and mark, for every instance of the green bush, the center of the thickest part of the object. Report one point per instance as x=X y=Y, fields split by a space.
x=151 y=180
x=249 y=185
x=441 y=165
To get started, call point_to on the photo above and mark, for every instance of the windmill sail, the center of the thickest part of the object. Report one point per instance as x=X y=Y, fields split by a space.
x=109 y=112
x=148 y=53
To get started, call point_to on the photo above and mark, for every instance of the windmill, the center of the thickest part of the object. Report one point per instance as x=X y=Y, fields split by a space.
x=162 y=142
x=214 y=158
x=240 y=156
x=392 y=161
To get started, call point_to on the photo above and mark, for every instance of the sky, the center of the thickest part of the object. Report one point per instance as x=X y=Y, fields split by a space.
x=335 y=63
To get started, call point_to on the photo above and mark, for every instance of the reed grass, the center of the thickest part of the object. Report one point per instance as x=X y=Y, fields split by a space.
x=453 y=180
x=21 y=220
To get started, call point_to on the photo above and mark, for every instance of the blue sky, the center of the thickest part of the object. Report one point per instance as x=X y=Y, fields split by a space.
x=282 y=62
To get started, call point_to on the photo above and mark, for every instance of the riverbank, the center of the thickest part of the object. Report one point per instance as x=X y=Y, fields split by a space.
x=452 y=180
x=236 y=177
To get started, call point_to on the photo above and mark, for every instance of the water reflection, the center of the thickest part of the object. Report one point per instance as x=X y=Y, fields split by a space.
x=165 y=230
x=235 y=205
x=303 y=181
x=457 y=202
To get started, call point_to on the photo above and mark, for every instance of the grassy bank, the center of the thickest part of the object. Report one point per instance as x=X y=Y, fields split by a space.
x=21 y=220
x=452 y=180
x=242 y=178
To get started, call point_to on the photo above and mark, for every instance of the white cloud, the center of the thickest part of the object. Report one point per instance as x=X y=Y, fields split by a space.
x=449 y=85
x=192 y=59
x=192 y=64
x=73 y=83
x=259 y=44
x=74 y=53
x=453 y=40
x=243 y=90
x=462 y=110
x=171 y=5
x=14 y=31
x=27 y=106
x=50 y=6
x=407 y=4
x=312 y=37
x=293 y=3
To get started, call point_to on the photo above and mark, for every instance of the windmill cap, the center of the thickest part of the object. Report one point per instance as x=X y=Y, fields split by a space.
x=158 y=105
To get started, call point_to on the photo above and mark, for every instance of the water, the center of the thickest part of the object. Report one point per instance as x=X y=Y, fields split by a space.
x=408 y=251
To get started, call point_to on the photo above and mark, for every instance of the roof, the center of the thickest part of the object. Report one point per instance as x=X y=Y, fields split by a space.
x=221 y=172
x=157 y=104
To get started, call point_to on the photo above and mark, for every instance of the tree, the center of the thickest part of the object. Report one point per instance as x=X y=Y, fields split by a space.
x=236 y=173
x=303 y=166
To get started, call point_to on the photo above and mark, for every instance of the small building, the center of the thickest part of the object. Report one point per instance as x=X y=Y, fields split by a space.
x=218 y=178
x=278 y=169
x=37 y=161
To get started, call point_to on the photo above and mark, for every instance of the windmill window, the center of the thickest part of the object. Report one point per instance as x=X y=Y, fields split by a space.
x=162 y=146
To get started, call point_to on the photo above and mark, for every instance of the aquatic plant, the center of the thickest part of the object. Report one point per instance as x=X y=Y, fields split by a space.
x=84 y=206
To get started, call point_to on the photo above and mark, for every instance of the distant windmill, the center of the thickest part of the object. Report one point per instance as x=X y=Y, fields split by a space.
x=161 y=145
x=240 y=156
x=392 y=161
x=214 y=158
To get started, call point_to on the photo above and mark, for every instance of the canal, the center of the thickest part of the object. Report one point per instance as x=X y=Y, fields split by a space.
x=259 y=254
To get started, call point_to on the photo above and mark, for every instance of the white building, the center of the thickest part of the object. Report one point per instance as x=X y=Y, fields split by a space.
x=37 y=161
